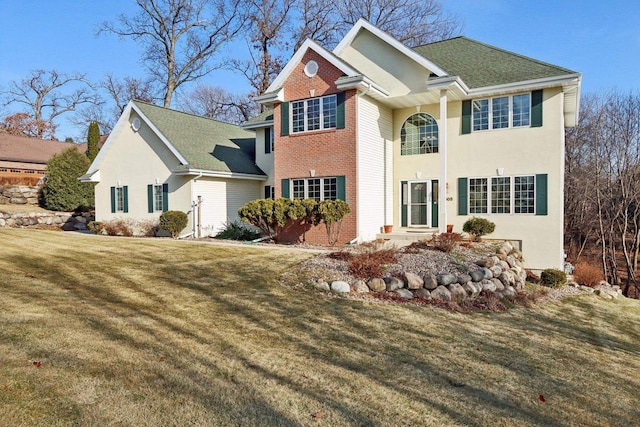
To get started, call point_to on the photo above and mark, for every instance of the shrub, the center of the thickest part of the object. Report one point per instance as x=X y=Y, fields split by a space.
x=93 y=140
x=587 y=274
x=117 y=227
x=236 y=230
x=173 y=222
x=368 y=265
x=271 y=216
x=445 y=242
x=62 y=191
x=553 y=278
x=478 y=227
x=147 y=228
x=331 y=212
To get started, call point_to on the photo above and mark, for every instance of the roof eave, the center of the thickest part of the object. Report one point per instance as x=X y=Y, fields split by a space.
x=362 y=83
x=257 y=125
x=218 y=174
x=542 y=83
x=270 y=97
x=90 y=177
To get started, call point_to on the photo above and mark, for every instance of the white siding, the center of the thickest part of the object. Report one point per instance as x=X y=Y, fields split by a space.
x=375 y=128
x=264 y=161
x=221 y=199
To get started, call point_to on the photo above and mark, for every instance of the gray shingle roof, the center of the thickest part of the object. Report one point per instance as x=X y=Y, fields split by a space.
x=206 y=144
x=481 y=65
x=265 y=116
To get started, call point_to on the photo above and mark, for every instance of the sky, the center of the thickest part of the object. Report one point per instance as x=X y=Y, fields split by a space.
x=599 y=39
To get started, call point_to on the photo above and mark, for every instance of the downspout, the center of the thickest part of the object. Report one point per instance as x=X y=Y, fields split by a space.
x=193 y=203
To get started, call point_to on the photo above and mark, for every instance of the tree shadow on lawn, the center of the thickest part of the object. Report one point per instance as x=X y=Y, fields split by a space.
x=396 y=352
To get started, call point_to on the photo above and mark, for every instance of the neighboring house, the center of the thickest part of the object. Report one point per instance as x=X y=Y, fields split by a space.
x=422 y=138
x=157 y=159
x=22 y=157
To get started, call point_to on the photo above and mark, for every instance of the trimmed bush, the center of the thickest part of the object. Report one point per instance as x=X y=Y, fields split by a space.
x=93 y=140
x=62 y=191
x=236 y=230
x=478 y=227
x=553 y=278
x=331 y=212
x=95 y=226
x=173 y=222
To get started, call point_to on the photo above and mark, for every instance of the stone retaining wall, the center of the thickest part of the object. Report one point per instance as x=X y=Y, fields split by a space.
x=20 y=195
x=68 y=221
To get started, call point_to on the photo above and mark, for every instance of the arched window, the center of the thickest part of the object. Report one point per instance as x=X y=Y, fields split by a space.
x=419 y=135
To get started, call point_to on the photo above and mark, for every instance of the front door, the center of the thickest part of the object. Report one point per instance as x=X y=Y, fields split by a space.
x=419 y=203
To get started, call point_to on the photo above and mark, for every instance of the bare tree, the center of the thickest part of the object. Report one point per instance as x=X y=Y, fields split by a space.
x=118 y=92
x=179 y=37
x=24 y=124
x=45 y=95
x=412 y=22
x=216 y=103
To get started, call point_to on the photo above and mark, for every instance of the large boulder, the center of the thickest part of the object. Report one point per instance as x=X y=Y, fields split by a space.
x=457 y=291
x=430 y=282
x=446 y=279
x=360 y=287
x=423 y=293
x=340 y=287
x=393 y=283
x=377 y=285
x=322 y=285
x=487 y=273
x=413 y=281
x=509 y=292
x=404 y=293
x=486 y=262
x=463 y=278
x=472 y=289
x=488 y=285
x=441 y=293
x=477 y=275
x=498 y=283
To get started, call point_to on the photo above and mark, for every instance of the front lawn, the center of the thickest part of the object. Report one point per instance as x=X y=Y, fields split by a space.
x=156 y=332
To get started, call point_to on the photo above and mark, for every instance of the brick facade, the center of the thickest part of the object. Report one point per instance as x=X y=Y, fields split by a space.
x=328 y=152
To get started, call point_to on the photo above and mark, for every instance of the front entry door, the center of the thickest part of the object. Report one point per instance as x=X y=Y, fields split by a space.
x=419 y=203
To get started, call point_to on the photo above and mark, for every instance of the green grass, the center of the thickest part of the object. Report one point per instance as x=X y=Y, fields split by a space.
x=157 y=332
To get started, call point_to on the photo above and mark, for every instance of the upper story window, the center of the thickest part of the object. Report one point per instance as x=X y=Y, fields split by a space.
x=268 y=140
x=314 y=114
x=419 y=135
x=502 y=112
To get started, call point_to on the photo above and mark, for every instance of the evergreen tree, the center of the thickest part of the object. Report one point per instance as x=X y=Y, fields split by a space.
x=93 y=138
x=62 y=191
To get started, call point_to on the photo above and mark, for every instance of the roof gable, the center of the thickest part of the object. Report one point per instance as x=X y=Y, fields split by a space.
x=482 y=65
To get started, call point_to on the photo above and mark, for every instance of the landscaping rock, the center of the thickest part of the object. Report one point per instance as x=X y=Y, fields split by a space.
x=496 y=270
x=511 y=261
x=430 y=282
x=487 y=273
x=488 y=285
x=360 y=287
x=323 y=286
x=404 y=293
x=463 y=278
x=506 y=247
x=499 y=285
x=423 y=293
x=340 y=286
x=441 y=293
x=393 y=283
x=509 y=292
x=472 y=289
x=587 y=289
x=457 y=291
x=486 y=262
x=377 y=285
x=477 y=275
x=413 y=281
x=446 y=279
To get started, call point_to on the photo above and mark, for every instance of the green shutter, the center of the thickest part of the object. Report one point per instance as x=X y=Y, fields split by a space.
x=267 y=140
x=150 y=198
x=463 y=207
x=125 y=196
x=284 y=119
x=536 y=108
x=435 y=190
x=165 y=197
x=113 y=199
x=541 y=194
x=340 y=115
x=285 y=188
x=466 y=117
x=341 y=191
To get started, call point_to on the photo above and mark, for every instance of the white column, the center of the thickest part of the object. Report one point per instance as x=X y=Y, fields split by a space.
x=442 y=185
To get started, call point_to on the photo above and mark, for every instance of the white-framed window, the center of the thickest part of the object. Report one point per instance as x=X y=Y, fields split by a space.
x=269 y=192
x=419 y=135
x=314 y=114
x=119 y=199
x=502 y=112
x=317 y=189
x=502 y=195
x=268 y=140
x=157 y=197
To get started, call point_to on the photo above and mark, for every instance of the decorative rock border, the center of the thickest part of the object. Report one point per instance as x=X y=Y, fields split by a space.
x=502 y=273
x=20 y=194
x=68 y=221
x=603 y=290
